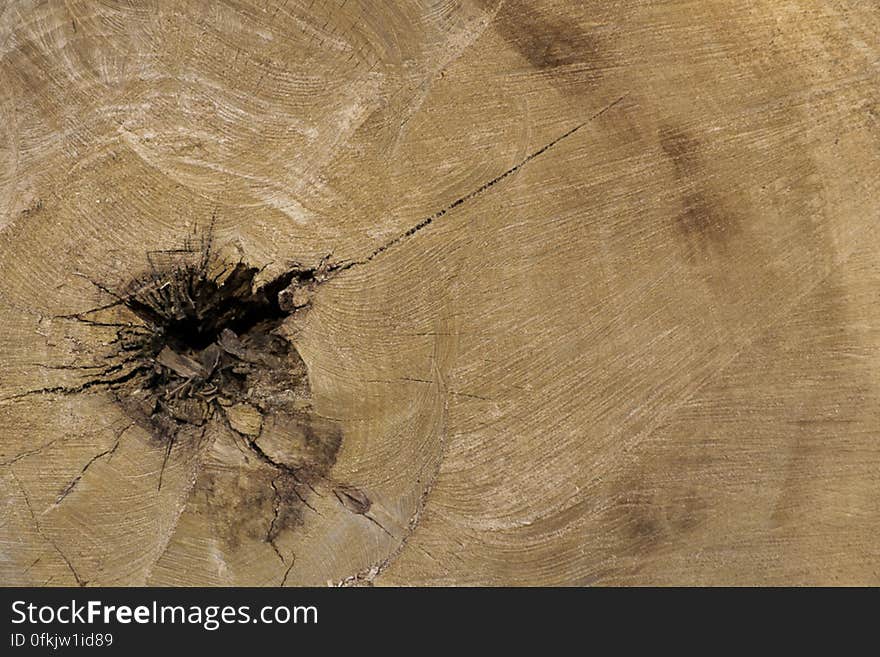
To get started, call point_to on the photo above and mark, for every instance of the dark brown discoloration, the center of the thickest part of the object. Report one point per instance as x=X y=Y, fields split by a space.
x=250 y=496
x=548 y=41
x=237 y=506
x=703 y=222
x=685 y=510
x=650 y=512
x=300 y=440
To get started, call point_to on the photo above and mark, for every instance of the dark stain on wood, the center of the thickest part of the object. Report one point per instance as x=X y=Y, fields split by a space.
x=549 y=42
x=703 y=222
x=650 y=511
x=237 y=507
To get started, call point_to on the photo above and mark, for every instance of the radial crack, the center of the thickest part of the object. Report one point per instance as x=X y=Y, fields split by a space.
x=107 y=452
x=270 y=533
x=289 y=568
x=342 y=266
x=72 y=390
x=80 y=582
x=31 y=452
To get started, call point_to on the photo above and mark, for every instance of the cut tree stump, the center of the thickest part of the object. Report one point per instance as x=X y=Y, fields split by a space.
x=439 y=293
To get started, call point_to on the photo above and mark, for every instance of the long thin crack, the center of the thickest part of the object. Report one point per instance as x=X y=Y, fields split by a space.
x=378 y=524
x=289 y=568
x=340 y=267
x=119 y=300
x=270 y=533
x=72 y=390
x=68 y=367
x=30 y=452
x=92 y=322
x=80 y=582
x=98 y=285
x=33 y=563
x=168 y=448
x=107 y=452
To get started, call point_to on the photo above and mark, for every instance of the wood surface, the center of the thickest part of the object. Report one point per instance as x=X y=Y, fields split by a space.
x=580 y=293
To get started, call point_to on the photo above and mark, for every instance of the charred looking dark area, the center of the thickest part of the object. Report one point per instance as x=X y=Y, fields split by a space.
x=200 y=356
x=208 y=338
x=199 y=340
x=200 y=345
x=192 y=309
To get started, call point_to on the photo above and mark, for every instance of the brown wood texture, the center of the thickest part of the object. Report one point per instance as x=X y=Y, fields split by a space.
x=648 y=354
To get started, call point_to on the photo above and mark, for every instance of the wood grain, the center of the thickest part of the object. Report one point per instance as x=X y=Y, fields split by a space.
x=596 y=303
